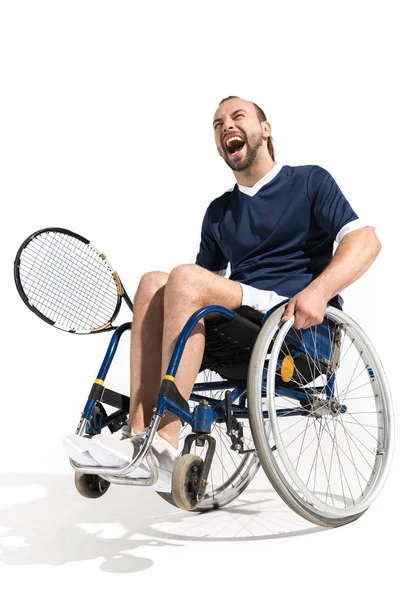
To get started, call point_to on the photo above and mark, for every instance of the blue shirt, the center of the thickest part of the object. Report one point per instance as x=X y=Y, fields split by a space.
x=277 y=235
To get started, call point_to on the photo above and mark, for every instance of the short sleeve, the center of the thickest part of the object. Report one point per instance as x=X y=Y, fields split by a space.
x=210 y=255
x=330 y=208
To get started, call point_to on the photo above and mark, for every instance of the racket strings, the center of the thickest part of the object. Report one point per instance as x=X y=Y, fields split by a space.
x=71 y=271
x=69 y=268
x=66 y=287
x=61 y=287
x=73 y=307
x=68 y=282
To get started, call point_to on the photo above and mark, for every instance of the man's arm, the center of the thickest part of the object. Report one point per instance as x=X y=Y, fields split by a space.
x=354 y=255
x=210 y=255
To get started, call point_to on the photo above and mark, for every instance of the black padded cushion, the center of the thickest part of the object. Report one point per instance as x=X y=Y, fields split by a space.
x=253 y=315
x=228 y=344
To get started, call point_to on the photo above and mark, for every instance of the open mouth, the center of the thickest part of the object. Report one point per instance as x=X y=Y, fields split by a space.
x=234 y=145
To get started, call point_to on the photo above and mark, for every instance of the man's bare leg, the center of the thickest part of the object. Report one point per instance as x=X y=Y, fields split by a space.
x=162 y=306
x=190 y=287
x=146 y=347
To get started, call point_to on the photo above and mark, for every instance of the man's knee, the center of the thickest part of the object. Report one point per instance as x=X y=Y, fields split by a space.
x=186 y=280
x=187 y=275
x=195 y=284
x=150 y=283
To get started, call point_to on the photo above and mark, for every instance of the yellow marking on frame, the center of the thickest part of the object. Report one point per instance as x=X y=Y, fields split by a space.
x=105 y=326
x=118 y=283
x=169 y=377
x=99 y=381
x=103 y=256
x=287 y=368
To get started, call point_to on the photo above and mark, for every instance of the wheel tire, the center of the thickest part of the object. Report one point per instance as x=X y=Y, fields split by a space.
x=230 y=472
x=287 y=483
x=91 y=486
x=184 y=478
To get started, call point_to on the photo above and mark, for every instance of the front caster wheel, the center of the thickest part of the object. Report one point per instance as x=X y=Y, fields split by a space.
x=91 y=486
x=185 y=480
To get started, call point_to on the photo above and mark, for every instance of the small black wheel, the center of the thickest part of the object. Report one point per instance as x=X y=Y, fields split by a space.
x=185 y=478
x=91 y=486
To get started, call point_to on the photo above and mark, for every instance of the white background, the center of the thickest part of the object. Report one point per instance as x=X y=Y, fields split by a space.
x=106 y=129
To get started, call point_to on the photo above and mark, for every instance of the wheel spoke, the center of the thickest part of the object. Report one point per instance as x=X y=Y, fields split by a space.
x=324 y=461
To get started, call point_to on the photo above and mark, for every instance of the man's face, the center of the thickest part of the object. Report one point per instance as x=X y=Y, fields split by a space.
x=238 y=133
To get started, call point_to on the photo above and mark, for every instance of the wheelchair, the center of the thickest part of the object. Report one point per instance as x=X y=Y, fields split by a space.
x=311 y=407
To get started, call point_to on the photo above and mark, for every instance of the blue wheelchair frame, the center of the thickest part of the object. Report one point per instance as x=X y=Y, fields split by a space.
x=206 y=413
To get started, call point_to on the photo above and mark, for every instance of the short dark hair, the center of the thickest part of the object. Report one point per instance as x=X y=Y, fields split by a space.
x=261 y=117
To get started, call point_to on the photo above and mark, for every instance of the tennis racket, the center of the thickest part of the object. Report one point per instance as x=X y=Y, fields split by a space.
x=67 y=282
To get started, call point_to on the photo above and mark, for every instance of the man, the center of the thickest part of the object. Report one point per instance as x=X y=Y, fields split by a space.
x=276 y=228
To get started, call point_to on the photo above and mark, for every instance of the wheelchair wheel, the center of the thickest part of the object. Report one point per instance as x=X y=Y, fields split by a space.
x=184 y=480
x=231 y=472
x=326 y=442
x=91 y=486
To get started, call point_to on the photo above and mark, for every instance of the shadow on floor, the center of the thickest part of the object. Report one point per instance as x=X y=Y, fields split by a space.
x=43 y=520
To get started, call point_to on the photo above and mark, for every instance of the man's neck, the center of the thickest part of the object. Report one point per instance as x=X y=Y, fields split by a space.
x=256 y=172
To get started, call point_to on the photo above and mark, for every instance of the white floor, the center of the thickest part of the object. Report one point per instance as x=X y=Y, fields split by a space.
x=56 y=542
x=104 y=105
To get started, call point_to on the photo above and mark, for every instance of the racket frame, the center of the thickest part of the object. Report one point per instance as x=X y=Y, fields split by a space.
x=118 y=284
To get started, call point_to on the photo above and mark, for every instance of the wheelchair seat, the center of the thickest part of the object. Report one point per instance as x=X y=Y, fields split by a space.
x=228 y=344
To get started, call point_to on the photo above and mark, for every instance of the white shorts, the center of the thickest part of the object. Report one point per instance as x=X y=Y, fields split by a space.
x=262 y=300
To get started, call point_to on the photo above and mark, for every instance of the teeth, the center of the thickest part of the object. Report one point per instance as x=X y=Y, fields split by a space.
x=232 y=139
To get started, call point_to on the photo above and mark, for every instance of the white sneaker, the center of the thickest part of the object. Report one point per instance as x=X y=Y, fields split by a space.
x=112 y=452
x=165 y=456
x=77 y=446
x=117 y=450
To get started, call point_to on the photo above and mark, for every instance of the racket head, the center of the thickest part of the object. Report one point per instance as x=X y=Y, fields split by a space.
x=64 y=280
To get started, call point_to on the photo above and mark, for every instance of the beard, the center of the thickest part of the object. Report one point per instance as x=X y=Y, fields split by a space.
x=253 y=143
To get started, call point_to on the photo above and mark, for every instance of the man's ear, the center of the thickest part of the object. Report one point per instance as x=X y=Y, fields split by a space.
x=266 y=130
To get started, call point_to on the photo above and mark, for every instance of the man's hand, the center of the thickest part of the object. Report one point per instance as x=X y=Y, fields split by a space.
x=308 y=308
x=354 y=255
